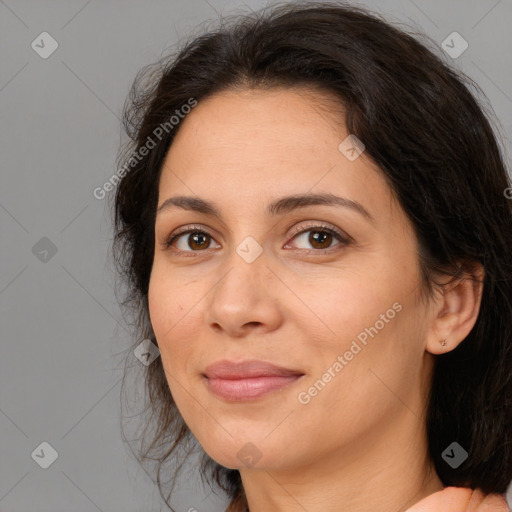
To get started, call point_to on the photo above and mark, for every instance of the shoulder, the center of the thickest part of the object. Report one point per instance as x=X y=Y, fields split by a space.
x=461 y=499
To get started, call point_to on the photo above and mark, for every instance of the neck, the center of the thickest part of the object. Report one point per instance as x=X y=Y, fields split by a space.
x=389 y=473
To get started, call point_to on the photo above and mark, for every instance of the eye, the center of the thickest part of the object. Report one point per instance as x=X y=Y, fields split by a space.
x=197 y=240
x=321 y=237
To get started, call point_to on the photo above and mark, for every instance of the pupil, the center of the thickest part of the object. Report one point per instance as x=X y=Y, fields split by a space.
x=319 y=237
x=195 y=237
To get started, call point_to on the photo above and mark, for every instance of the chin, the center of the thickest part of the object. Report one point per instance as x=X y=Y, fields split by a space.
x=241 y=453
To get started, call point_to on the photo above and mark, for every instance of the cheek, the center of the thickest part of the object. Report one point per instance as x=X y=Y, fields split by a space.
x=166 y=312
x=157 y=303
x=345 y=306
x=362 y=318
x=173 y=309
x=172 y=319
x=166 y=299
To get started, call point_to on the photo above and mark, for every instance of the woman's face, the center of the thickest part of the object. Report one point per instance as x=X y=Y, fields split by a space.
x=324 y=290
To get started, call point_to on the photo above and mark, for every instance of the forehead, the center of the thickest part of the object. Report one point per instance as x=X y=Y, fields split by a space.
x=244 y=112
x=267 y=143
x=266 y=130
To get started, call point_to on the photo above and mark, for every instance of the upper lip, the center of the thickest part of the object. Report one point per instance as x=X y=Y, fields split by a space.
x=246 y=369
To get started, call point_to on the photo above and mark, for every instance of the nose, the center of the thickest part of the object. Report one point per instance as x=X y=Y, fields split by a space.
x=245 y=298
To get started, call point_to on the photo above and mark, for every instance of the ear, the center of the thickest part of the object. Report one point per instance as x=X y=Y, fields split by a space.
x=455 y=310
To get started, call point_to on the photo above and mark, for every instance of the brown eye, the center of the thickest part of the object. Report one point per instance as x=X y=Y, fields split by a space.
x=196 y=240
x=320 y=238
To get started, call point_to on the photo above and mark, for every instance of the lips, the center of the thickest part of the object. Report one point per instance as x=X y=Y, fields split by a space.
x=247 y=369
x=247 y=380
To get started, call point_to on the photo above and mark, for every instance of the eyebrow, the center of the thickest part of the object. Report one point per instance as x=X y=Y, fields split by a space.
x=277 y=207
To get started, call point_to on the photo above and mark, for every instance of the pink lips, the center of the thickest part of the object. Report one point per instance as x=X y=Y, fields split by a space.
x=247 y=380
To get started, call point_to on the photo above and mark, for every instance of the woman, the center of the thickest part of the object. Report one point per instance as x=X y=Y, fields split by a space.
x=313 y=225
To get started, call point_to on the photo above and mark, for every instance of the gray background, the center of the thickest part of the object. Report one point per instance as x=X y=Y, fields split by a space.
x=62 y=335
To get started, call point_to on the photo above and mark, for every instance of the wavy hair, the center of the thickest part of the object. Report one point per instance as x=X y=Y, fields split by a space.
x=433 y=141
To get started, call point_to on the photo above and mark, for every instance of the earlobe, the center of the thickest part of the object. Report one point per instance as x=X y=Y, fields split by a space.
x=455 y=312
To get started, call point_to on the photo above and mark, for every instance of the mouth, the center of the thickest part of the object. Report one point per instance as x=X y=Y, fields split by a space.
x=247 y=380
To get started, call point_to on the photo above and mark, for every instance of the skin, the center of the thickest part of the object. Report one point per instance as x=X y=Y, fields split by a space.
x=354 y=442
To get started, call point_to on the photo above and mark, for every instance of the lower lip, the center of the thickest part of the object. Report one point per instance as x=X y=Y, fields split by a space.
x=248 y=389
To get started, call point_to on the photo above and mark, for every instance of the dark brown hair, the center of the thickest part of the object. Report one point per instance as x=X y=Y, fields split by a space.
x=433 y=142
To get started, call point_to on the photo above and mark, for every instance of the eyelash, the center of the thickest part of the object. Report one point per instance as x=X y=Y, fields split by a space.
x=345 y=240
